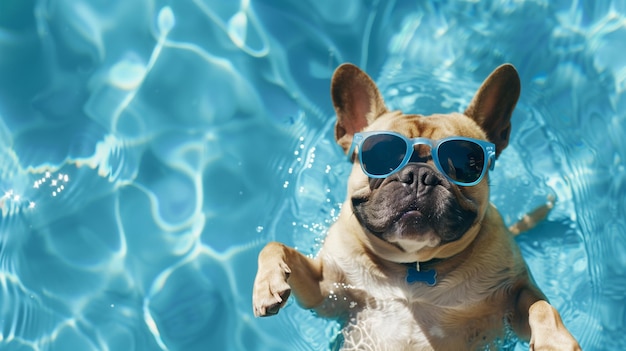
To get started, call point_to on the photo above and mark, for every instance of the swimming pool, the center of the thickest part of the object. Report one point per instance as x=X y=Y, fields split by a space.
x=149 y=149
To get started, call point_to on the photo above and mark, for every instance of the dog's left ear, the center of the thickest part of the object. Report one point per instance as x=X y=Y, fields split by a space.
x=493 y=105
x=357 y=102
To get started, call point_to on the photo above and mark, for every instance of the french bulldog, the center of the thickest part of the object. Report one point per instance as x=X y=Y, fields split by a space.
x=418 y=259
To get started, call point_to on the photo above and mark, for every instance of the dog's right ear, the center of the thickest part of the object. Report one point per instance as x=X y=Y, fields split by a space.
x=357 y=102
x=493 y=105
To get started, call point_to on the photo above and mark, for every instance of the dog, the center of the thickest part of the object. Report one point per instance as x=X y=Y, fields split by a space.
x=418 y=259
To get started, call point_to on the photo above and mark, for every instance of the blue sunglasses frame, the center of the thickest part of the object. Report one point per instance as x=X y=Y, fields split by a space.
x=489 y=150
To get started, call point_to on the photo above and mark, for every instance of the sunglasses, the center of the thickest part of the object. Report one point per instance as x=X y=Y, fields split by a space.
x=464 y=161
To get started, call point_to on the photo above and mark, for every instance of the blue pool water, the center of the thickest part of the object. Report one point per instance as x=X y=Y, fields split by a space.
x=150 y=148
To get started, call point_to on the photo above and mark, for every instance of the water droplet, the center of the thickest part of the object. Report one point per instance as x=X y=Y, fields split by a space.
x=127 y=75
x=166 y=20
x=237 y=28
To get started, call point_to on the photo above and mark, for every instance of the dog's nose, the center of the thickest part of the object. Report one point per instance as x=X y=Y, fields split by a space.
x=419 y=174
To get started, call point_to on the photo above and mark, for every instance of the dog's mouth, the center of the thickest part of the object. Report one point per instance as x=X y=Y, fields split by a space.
x=410 y=224
x=416 y=213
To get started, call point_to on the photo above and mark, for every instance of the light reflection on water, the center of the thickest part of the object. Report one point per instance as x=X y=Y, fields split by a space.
x=180 y=137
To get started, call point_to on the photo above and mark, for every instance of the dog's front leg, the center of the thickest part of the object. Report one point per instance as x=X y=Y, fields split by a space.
x=547 y=331
x=281 y=271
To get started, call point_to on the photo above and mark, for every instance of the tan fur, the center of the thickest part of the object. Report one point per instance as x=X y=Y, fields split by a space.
x=482 y=281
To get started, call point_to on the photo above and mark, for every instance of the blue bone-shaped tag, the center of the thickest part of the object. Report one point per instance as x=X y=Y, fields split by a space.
x=429 y=276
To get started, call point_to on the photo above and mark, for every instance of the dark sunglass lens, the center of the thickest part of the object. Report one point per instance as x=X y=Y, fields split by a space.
x=381 y=154
x=461 y=160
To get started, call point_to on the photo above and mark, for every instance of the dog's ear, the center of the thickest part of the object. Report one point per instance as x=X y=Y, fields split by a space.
x=493 y=105
x=357 y=102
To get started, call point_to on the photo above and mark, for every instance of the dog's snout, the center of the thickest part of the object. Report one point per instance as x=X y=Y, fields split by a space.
x=419 y=175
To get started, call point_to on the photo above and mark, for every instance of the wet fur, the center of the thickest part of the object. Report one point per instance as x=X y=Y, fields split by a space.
x=483 y=284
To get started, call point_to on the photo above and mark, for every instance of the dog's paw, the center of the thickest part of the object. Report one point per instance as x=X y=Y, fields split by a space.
x=556 y=344
x=271 y=290
x=547 y=330
x=531 y=219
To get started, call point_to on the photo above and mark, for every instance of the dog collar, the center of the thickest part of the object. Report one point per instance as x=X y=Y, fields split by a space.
x=415 y=274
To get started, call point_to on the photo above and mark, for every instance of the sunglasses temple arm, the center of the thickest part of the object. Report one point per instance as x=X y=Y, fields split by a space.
x=491 y=155
x=355 y=140
x=351 y=151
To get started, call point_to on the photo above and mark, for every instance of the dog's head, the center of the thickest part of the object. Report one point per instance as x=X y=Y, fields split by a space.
x=419 y=213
